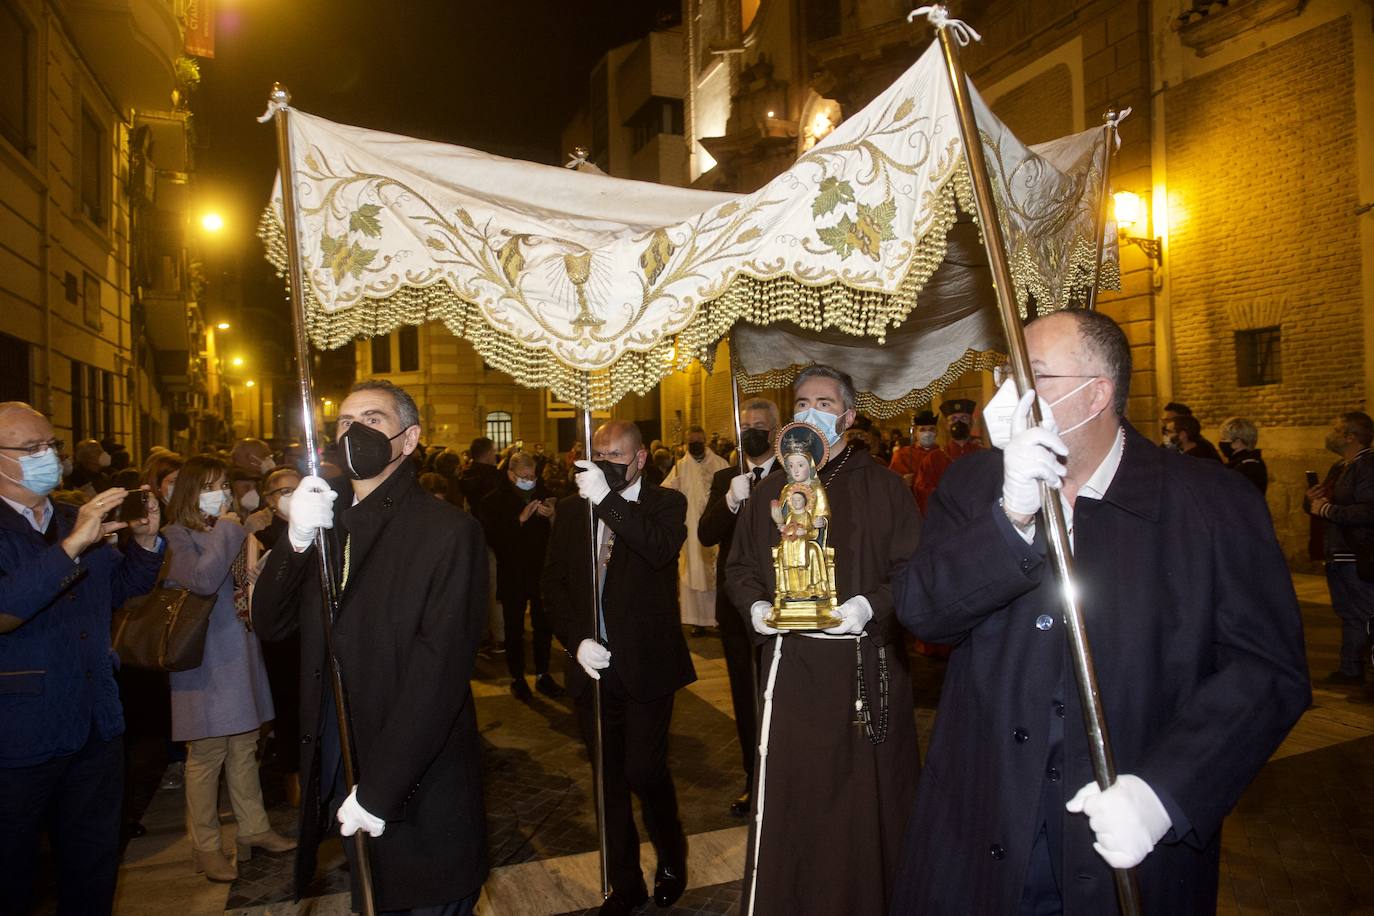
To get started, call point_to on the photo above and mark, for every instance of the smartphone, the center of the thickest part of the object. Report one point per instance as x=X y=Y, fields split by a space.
x=1312 y=479
x=134 y=508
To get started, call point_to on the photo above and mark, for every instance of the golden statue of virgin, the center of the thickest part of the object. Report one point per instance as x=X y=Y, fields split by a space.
x=803 y=564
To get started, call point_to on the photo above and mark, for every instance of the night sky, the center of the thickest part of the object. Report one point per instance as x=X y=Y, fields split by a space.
x=499 y=75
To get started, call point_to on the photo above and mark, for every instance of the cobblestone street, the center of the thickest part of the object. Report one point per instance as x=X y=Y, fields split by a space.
x=1301 y=840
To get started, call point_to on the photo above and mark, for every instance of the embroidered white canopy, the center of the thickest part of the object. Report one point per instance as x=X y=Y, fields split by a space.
x=595 y=286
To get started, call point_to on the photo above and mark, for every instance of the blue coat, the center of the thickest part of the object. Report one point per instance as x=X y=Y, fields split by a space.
x=1198 y=647
x=228 y=693
x=56 y=667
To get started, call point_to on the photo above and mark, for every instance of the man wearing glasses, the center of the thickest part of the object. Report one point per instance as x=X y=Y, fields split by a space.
x=61 y=754
x=1195 y=632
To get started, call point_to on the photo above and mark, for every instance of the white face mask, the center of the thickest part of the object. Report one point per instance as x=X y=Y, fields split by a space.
x=212 y=503
x=926 y=439
x=249 y=501
x=997 y=415
x=525 y=484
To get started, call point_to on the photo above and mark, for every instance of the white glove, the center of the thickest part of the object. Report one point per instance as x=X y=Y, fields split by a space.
x=593 y=656
x=1028 y=459
x=591 y=482
x=354 y=817
x=1128 y=819
x=311 y=508
x=738 y=492
x=757 y=612
x=854 y=616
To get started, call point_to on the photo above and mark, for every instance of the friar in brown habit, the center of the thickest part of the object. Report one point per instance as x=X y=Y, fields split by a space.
x=839 y=760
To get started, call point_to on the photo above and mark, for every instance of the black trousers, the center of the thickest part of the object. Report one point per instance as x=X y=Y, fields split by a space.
x=77 y=799
x=513 y=612
x=635 y=759
x=741 y=658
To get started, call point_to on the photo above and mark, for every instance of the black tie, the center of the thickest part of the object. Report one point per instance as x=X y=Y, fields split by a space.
x=758 y=475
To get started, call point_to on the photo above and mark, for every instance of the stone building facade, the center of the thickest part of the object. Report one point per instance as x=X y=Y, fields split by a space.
x=99 y=325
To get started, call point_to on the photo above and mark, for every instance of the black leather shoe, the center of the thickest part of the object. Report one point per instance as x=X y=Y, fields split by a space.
x=546 y=685
x=621 y=903
x=669 y=883
x=740 y=806
x=520 y=690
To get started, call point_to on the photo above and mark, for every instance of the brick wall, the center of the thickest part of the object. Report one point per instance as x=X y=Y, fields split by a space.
x=1262 y=185
x=1261 y=162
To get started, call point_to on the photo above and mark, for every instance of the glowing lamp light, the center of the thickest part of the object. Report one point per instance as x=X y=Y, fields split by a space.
x=821 y=125
x=1130 y=209
x=249 y=384
x=236 y=361
x=223 y=326
x=212 y=222
x=770 y=113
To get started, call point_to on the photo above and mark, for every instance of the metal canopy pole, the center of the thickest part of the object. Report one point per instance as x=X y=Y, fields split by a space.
x=279 y=101
x=598 y=747
x=734 y=405
x=1109 y=141
x=1052 y=514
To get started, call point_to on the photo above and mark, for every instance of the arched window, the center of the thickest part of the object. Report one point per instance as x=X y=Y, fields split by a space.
x=500 y=429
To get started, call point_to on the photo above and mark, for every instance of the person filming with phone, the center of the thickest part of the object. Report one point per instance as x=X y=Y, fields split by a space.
x=61 y=722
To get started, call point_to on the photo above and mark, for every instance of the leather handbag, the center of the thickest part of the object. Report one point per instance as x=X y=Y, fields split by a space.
x=163 y=630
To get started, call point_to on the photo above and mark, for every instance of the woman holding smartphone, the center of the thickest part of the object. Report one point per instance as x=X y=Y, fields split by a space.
x=218 y=707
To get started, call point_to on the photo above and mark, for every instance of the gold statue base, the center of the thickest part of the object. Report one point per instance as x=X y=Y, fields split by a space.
x=803 y=614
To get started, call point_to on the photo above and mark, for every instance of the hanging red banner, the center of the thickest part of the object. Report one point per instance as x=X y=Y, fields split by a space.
x=199 y=16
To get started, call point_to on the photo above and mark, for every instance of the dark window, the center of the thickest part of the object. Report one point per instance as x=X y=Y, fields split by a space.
x=16 y=79
x=822 y=19
x=1258 y=359
x=408 y=343
x=92 y=168
x=107 y=402
x=656 y=116
x=381 y=354
x=14 y=368
x=500 y=428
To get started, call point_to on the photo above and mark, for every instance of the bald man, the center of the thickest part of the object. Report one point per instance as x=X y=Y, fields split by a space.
x=61 y=722
x=636 y=649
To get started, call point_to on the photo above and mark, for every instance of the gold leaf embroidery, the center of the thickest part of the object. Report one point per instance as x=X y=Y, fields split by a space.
x=656 y=255
x=511 y=260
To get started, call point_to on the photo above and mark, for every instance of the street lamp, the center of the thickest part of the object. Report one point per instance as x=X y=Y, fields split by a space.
x=249 y=384
x=1130 y=213
x=212 y=222
x=236 y=362
x=223 y=326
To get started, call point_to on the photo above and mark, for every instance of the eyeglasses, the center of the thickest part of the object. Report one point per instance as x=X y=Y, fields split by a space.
x=1003 y=372
x=279 y=491
x=37 y=448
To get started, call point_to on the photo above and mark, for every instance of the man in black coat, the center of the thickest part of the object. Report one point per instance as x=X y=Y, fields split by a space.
x=730 y=489
x=1195 y=631
x=515 y=517
x=412 y=577
x=1345 y=503
x=636 y=650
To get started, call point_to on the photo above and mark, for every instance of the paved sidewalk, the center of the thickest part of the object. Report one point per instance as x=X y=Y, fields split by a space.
x=1300 y=841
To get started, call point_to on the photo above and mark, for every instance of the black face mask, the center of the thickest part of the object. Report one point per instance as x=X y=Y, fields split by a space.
x=696 y=449
x=1227 y=450
x=756 y=442
x=959 y=430
x=616 y=477
x=365 y=451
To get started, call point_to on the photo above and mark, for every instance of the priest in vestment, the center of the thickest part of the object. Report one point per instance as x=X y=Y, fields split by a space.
x=691 y=477
x=835 y=784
